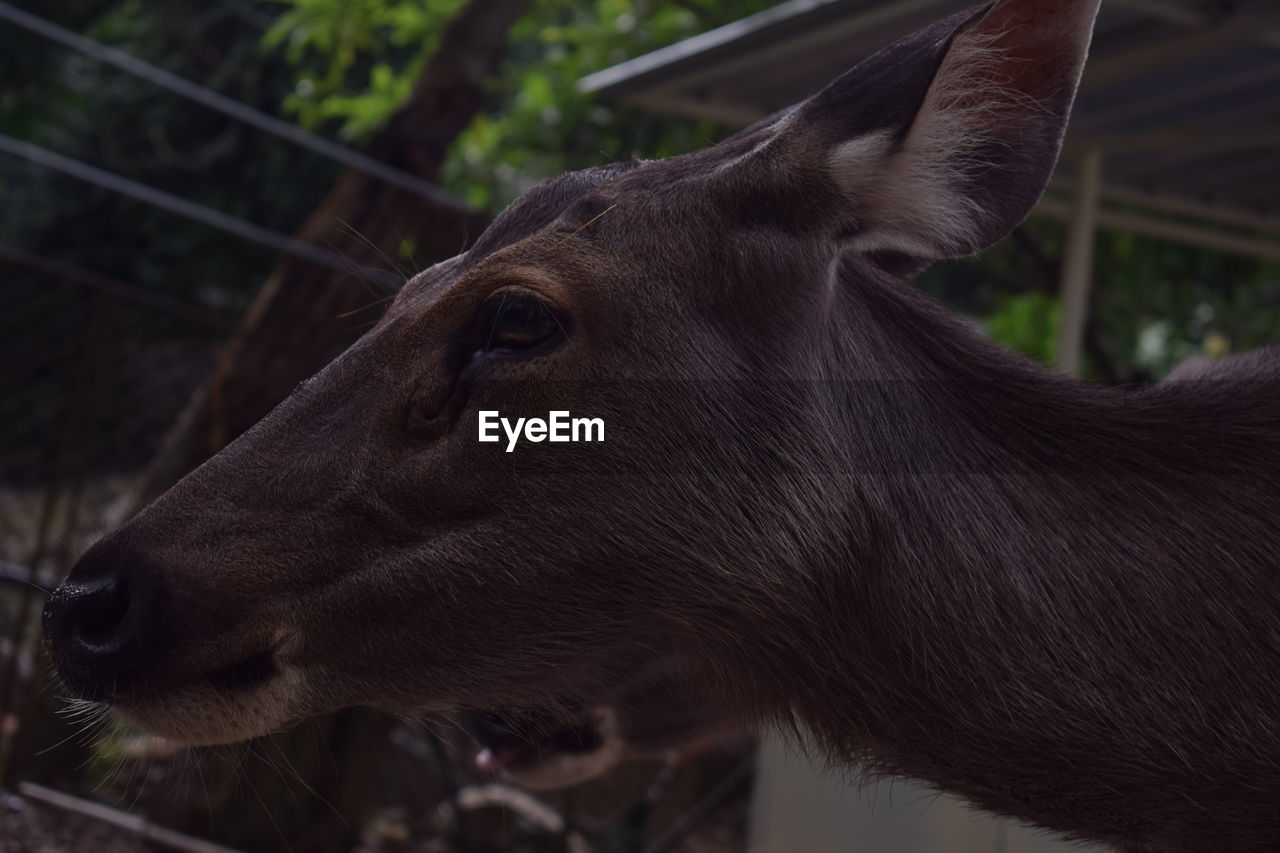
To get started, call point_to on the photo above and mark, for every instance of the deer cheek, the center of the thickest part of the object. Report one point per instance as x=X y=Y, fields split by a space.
x=434 y=407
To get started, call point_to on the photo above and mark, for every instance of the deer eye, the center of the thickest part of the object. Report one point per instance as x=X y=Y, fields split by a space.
x=518 y=323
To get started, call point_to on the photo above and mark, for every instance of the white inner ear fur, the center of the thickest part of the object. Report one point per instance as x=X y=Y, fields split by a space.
x=907 y=199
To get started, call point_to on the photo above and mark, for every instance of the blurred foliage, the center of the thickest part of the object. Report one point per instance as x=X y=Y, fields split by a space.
x=543 y=124
x=1158 y=303
x=357 y=60
x=1154 y=303
x=1027 y=322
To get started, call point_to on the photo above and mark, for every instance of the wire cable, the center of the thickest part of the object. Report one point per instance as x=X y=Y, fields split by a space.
x=230 y=107
x=172 y=203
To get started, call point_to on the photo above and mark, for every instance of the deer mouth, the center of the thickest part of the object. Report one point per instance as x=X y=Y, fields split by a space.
x=255 y=670
x=543 y=752
x=257 y=693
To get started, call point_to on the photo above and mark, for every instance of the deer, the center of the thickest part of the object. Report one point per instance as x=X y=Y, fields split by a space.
x=824 y=504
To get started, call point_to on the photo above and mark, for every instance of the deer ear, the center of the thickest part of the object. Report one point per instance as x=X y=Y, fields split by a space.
x=942 y=143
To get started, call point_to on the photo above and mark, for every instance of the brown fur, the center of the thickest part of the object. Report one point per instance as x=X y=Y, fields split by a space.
x=822 y=501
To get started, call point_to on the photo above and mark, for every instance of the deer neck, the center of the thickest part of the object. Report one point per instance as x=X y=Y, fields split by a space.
x=1018 y=567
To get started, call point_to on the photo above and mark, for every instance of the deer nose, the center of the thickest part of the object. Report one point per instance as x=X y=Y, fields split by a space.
x=95 y=623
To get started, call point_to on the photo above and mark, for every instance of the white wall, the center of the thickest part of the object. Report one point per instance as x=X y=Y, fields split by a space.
x=800 y=808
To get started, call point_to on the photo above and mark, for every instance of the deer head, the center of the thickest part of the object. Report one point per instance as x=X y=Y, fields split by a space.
x=361 y=546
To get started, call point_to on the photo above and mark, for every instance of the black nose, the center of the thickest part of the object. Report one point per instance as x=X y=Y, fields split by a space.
x=95 y=623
